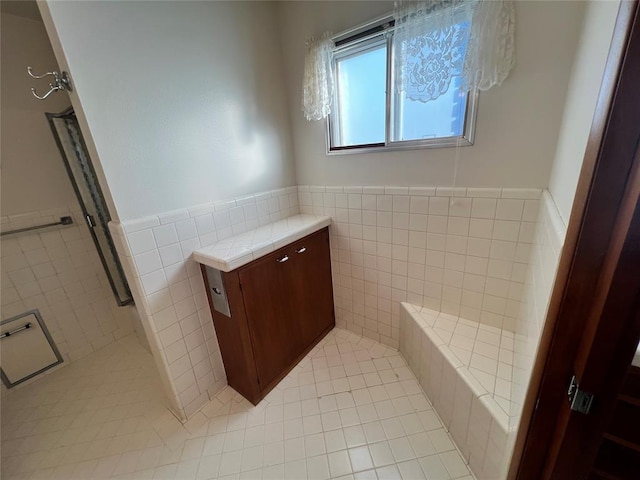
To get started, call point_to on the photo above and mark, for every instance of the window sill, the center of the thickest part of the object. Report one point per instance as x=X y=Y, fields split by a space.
x=400 y=146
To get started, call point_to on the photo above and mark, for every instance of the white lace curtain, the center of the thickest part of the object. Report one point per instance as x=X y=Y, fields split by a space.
x=317 y=88
x=435 y=41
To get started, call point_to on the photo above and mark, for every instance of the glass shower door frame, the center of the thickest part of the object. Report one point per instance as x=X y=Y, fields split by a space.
x=103 y=213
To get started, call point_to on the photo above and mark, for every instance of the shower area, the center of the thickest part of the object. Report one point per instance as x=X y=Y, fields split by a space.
x=73 y=150
x=64 y=294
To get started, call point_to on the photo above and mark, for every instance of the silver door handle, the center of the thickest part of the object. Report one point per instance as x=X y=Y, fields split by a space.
x=217 y=291
x=283 y=259
x=301 y=250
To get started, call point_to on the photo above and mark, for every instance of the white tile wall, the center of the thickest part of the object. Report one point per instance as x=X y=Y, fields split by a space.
x=481 y=403
x=462 y=251
x=488 y=255
x=168 y=288
x=545 y=255
x=58 y=271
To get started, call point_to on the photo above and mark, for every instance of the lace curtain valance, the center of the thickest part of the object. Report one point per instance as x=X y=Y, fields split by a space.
x=317 y=88
x=435 y=41
x=491 y=52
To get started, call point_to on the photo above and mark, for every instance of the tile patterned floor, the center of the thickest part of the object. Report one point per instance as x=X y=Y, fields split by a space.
x=351 y=409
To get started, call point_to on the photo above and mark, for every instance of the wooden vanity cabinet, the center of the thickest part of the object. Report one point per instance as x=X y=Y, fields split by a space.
x=281 y=306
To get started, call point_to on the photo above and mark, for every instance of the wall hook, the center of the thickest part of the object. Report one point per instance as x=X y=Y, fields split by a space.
x=60 y=82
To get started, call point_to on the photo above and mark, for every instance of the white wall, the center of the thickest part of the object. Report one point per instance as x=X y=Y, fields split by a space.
x=33 y=175
x=185 y=105
x=586 y=76
x=184 y=100
x=517 y=122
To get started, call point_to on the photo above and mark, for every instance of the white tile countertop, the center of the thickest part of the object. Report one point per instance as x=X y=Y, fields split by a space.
x=236 y=251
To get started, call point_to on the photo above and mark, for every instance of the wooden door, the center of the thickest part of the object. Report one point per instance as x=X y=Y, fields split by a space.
x=610 y=336
x=619 y=454
x=267 y=293
x=593 y=324
x=312 y=287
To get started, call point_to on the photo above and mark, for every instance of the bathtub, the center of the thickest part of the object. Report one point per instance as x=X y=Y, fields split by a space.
x=466 y=370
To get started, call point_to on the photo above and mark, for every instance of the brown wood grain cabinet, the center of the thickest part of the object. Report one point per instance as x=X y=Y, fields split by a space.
x=281 y=306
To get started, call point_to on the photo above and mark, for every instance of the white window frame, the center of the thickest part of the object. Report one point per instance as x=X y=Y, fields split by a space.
x=383 y=27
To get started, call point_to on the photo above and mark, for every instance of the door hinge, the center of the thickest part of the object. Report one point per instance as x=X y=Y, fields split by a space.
x=90 y=222
x=579 y=400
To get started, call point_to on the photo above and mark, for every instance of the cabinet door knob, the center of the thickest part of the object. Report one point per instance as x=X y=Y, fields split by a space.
x=301 y=250
x=283 y=259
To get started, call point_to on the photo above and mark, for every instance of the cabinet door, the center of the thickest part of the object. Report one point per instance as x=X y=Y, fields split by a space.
x=268 y=303
x=313 y=291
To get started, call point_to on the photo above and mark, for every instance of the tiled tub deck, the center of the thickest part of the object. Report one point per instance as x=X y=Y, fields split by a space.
x=466 y=370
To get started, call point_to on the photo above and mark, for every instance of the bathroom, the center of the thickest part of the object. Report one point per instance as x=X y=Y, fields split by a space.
x=192 y=116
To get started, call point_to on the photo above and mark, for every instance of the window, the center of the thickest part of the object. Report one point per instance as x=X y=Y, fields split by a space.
x=370 y=113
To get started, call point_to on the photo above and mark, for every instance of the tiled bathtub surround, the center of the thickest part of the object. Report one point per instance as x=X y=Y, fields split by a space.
x=468 y=407
x=461 y=251
x=57 y=270
x=168 y=289
x=476 y=350
x=476 y=375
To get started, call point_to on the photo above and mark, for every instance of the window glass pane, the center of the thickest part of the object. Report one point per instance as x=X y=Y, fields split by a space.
x=439 y=118
x=361 y=97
